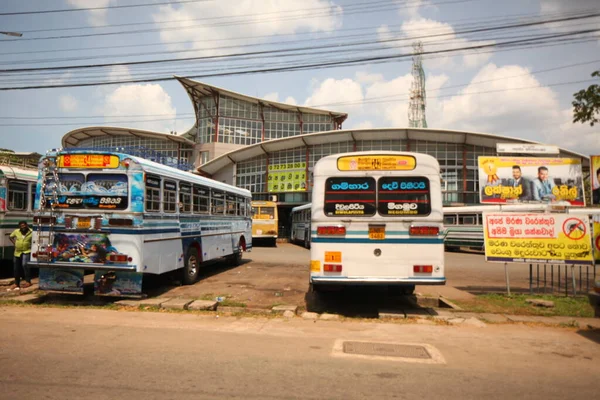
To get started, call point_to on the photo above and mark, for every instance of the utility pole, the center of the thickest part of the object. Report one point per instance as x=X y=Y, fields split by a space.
x=418 y=97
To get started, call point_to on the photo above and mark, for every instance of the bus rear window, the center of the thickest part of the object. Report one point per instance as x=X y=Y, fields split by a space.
x=404 y=196
x=95 y=191
x=263 y=212
x=350 y=196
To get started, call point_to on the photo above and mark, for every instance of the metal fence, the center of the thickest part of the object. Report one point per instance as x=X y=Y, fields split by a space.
x=570 y=280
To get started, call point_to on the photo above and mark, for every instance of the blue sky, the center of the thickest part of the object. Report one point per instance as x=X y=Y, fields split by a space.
x=518 y=92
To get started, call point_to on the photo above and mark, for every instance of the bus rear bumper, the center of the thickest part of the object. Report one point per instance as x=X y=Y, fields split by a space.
x=342 y=280
x=84 y=266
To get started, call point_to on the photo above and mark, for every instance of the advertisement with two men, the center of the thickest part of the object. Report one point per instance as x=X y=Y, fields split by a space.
x=595 y=179
x=531 y=180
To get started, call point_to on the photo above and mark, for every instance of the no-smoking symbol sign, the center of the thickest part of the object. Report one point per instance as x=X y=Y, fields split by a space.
x=574 y=228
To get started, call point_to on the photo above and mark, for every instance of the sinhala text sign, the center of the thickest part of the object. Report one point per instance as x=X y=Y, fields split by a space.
x=539 y=238
x=530 y=180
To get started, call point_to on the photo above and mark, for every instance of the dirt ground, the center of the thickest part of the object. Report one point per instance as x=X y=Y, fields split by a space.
x=268 y=276
x=279 y=275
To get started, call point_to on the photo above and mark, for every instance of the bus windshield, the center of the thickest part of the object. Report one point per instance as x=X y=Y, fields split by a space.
x=91 y=191
x=263 y=212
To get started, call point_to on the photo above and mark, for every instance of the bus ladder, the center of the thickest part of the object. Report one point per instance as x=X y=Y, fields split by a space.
x=49 y=173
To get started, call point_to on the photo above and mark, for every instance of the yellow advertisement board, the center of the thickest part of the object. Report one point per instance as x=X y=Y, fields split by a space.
x=531 y=180
x=595 y=178
x=537 y=238
x=596 y=240
x=376 y=163
x=289 y=177
x=88 y=161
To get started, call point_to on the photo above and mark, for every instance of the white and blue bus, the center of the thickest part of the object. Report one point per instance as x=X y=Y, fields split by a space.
x=17 y=194
x=122 y=217
x=377 y=220
x=300 y=232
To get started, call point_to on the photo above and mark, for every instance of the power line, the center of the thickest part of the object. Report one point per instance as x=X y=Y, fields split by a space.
x=103 y=8
x=510 y=26
x=358 y=102
x=363 y=10
x=347 y=62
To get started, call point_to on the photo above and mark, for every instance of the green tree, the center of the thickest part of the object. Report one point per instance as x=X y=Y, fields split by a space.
x=586 y=105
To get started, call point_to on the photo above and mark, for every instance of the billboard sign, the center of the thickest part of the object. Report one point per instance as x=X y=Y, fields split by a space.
x=526 y=148
x=595 y=174
x=289 y=177
x=529 y=180
x=539 y=238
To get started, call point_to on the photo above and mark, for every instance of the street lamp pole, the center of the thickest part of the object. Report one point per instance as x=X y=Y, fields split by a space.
x=17 y=34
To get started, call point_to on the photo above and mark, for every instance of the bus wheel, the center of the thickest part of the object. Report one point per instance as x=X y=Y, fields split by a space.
x=315 y=301
x=408 y=290
x=191 y=269
x=236 y=258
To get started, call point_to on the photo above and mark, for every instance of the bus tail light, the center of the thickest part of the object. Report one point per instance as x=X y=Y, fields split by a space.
x=44 y=220
x=423 y=269
x=97 y=223
x=118 y=258
x=332 y=268
x=120 y=222
x=331 y=230
x=68 y=222
x=424 y=231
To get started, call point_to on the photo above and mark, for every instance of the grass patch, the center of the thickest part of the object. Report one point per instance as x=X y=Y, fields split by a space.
x=516 y=305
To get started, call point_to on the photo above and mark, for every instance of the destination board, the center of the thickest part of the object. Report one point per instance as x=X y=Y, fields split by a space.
x=88 y=161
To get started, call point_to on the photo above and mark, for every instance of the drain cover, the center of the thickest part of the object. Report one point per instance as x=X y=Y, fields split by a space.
x=386 y=350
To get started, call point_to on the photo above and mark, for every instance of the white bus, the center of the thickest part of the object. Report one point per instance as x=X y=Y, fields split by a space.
x=300 y=232
x=122 y=217
x=17 y=194
x=377 y=220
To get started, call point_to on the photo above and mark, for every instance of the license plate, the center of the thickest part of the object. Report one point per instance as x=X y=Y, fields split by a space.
x=83 y=223
x=333 y=256
x=377 y=232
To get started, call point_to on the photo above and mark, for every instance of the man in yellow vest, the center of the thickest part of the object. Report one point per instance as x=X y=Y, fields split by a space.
x=21 y=238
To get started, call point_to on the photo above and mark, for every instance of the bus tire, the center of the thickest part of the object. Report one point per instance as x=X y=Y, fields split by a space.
x=408 y=290
x=191 y=268
x=315 y=301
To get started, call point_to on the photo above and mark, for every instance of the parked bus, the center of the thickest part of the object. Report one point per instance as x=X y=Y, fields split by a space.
x=17 y=194
x=122 y=217
x=464 y=224
x=265 y=224
x=377 y=220
x=300 y=232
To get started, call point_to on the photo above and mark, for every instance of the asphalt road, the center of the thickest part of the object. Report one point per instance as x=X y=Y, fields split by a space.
x=101 y=354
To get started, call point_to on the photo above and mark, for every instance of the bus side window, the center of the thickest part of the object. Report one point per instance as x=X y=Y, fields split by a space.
x=32 y=187
x=201 y=197
x=169 y=196
x=240 y=205
x=152 y=193
x=468 y=219
x=217 y=200
x=450 y=220
x=185 y=198
x=230 y=204
x=17 y=195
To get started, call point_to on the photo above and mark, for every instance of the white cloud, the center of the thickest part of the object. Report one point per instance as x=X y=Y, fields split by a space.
x=507 y=109
x=290 y=100
x=248 y=18
x=412 y=7
x=95 y=17
x=147 y=99
x=337 y=95
x=366 y=78
x=426 y=27
x=273 y=96
x=68 y=103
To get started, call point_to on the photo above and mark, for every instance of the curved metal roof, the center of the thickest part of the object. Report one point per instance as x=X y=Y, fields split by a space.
x=434 y=135
x=197 y=89
x=72 y=138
